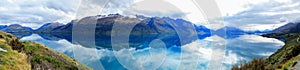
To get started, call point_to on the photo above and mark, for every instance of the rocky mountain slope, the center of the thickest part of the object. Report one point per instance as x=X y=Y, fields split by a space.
x=142 y=25
x=25 y=55
x=103 y=24
x=14 y=28
x=48 y=27
x=2 y=26
x=288 y=28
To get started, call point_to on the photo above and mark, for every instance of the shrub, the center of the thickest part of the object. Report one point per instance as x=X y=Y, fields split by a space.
x=3 y=67
x=30 y=48
x=285 y=68
x=41 y=58
x=255 y=64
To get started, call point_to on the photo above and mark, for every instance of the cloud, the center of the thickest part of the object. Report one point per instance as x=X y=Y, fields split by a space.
x=245 y=14
x=34 y=13
x=27 y=12
x=269 y=14
x=171 y=8
x=102 y=7
x=152 y=8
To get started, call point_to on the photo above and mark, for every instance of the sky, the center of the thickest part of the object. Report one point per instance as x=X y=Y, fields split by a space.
x=244 y=14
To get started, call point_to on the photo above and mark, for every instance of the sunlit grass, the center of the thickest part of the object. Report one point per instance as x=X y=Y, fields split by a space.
x=28 y=55
x=255 y=64
x=284 y=58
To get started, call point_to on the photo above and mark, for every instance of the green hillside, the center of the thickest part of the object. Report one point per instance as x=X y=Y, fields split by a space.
x=284 y=58
x=25 y=55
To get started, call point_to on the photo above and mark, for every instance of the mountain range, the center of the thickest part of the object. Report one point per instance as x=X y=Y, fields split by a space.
x=48 y=27
x=103 y=24
x=15 y=28
x=292 y=27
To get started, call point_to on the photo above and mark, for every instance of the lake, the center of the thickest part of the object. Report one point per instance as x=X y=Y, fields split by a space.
x=162 y=52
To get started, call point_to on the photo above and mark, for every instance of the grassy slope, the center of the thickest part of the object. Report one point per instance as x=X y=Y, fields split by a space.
x=284 y=58
x=30 y=55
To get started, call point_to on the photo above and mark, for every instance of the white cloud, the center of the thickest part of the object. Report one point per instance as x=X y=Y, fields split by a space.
x=237 y=13
x=2 y=9
x=154 y=8
x=280 y=12
x=267 y=14
x=34 y=13
x=170 y=8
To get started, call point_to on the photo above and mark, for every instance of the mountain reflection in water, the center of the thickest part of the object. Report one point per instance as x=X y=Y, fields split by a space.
x=242 y=47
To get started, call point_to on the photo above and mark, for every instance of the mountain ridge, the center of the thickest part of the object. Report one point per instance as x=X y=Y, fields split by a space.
x=104 y=24
x=48 y=27
x=292 y=27
x=16 y=28
x=143 y=25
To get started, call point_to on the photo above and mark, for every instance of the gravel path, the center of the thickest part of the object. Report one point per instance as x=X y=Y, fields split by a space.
x=297 y=66
x=298 y=39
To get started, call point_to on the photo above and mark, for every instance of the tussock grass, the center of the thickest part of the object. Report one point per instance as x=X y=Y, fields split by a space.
x=255 y=64
x=12 y=60
x=28 y=55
